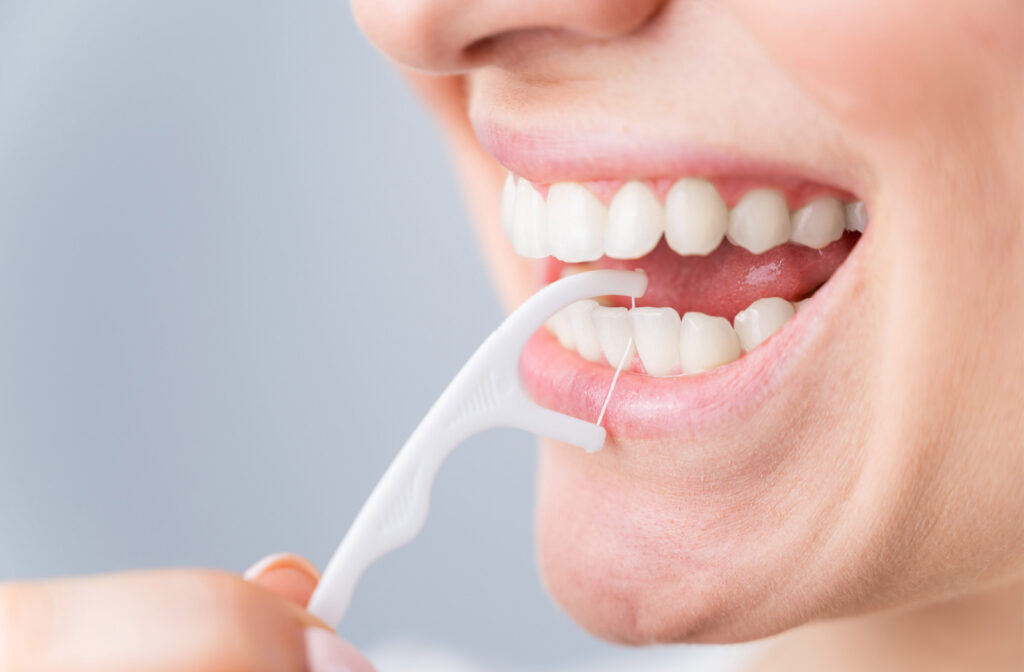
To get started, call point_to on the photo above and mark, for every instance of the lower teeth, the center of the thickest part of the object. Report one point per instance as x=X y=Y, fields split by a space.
x=664 y=343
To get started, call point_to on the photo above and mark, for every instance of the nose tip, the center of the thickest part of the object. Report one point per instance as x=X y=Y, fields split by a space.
x=439 y=35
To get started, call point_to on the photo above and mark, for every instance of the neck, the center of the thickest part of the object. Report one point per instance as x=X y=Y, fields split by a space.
x=979 y=633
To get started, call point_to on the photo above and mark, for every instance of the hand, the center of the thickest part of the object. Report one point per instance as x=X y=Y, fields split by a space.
x=172 y=621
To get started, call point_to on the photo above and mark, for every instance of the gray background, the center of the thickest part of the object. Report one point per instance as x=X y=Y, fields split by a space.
x=234 y=272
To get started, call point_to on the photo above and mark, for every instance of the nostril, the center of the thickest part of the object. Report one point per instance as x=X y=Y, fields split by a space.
x=510 y=46
x=481 y=48
x=453 y=35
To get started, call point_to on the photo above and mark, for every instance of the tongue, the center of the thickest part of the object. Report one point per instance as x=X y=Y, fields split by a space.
x=730 y=278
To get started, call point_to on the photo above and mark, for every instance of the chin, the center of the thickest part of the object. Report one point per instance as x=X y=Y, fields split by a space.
x=637 y=565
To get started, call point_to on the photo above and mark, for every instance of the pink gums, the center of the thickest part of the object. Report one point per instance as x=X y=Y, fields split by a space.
x=730 y=278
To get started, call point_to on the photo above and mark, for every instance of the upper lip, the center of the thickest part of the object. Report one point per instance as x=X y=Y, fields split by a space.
x=544 y=156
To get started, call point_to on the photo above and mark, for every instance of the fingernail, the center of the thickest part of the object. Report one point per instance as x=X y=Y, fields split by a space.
x=281 y=561
x=325 y=652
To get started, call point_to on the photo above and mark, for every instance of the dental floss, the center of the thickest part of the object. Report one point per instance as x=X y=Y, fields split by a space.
x=487 y=392
x=618 y=370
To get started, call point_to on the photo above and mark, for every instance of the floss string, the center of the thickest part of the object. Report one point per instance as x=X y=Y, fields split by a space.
x=618 y=371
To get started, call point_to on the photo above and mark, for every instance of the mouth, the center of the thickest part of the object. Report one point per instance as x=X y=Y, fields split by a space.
x=740 y=269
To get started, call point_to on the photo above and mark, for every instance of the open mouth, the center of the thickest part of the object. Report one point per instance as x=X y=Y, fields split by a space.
x=731 y=262
x=724 y=277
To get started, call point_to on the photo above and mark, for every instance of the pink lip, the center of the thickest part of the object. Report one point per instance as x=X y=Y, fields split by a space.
x=545 y=156
x=644 y=407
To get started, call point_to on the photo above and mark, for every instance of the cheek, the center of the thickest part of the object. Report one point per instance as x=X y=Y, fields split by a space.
x=880 y=64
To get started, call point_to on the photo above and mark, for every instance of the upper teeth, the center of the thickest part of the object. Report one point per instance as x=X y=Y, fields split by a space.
x=856 y=216
x=636 y=221
x=760 y=221
x=571 y=224
x=529 y=222
x=819 y=223
x=696 y=217
x=575 y=219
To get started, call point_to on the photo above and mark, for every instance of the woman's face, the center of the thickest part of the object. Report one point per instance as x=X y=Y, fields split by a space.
x=867 y=453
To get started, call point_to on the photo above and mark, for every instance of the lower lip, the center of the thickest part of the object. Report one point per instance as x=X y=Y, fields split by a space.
x=647 y=408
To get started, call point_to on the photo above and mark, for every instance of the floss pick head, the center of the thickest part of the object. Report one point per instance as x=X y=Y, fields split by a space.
x=486 y=393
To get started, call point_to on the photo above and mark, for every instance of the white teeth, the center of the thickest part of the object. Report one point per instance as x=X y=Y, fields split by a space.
x=529 y=222
x=576 y=223
x=508 y=205
x=613 y=332
x=696 y=217
x=705 y=342
x=666 y=345
x=856 y=216
x=760 y=221
x=760 y=320
x=583 y=330
x=635 y=222
x=656 y=332
x=818 y=223
x=560 y=324
x=574 y=226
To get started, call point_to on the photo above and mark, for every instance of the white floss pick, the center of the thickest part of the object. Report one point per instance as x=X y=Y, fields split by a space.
x=487 y=392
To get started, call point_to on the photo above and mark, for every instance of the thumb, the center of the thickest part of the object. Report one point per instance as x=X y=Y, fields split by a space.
x=164 y=621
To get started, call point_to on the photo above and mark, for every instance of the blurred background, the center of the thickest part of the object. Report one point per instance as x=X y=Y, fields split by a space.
x=234 y=273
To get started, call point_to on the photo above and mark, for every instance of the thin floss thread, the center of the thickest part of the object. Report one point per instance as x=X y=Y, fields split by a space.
x=618 y=370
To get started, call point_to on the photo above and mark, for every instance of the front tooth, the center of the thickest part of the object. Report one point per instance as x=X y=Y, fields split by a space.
x=560 y=324
x=760 y=221
x=508 y=205
x=529 y=223
x=635 y=222
x=760 y=320
x=696 y=217
x=818 y=223
x=856 y=216
x=613 y=332
x=583 y=331
x=656 y=333
x=576 y=221
x=705 y=342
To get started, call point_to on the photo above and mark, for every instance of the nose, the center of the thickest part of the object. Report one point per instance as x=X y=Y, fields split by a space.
x=449 y=36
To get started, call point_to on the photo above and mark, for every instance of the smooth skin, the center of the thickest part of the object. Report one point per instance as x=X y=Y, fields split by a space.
x=172 y=621
x=873 y=510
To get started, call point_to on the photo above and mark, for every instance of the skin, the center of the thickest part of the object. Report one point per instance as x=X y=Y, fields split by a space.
x=878 y=496
x=873 y=509
x=169 y=621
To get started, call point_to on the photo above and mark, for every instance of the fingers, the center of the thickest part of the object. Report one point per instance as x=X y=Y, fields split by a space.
x=291 y=576
x=151 y=622
x=167 y=621
x=294 y=578
x=326 y=652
